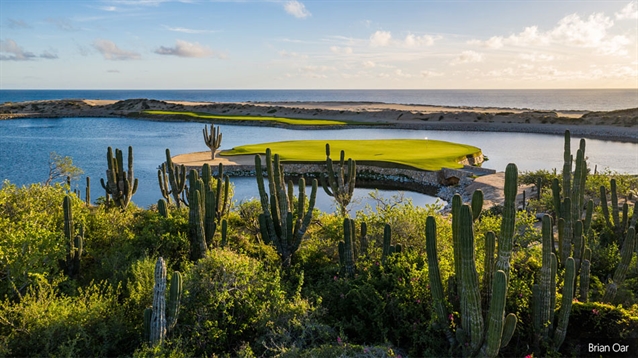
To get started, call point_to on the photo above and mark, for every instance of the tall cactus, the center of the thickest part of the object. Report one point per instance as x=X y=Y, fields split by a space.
x=74 y=243
x=509 y=218
x=626 y=254
x=277 y=222
x=120 y=184
x=388 y=248
x=346 y=248
x=173 y=175
x=340 y=183
x=212 y=140
x=475 y=335
x=162 y=317
x=87 y=199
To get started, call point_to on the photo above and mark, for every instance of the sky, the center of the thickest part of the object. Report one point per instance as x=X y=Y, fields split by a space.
x=207 y=44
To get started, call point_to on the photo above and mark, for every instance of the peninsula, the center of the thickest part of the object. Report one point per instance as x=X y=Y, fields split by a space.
x=620 y=125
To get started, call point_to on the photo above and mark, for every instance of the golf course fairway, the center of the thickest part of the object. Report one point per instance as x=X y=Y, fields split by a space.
x=421 y=154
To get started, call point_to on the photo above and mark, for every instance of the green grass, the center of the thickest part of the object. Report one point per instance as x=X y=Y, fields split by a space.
x=414 y=153
x=293 y=121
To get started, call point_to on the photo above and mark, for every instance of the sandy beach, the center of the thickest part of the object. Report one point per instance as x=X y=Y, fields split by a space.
x=619 y=125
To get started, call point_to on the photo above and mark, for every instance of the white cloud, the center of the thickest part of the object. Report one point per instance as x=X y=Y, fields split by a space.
x=572 y=30
x=285 y=53
x=467 y=57
x=615 y=46
x=48 y=55
x=369 y=64
x=494 y=42
x=15 y=52
x=185 y=49
x=296 y=9
x=428 y=74
x=341 y=50
x=630 y=11
x=110 y=51
x=415 y=41
x=188 y=31
x=380 y=38
x=401 y=74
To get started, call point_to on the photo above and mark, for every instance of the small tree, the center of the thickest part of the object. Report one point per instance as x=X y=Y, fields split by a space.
x=61 y=167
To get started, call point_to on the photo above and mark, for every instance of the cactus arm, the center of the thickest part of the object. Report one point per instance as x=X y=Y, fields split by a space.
x=434 y=275
x=566 y=305
x=624 y=218
x=162 y=208
x=556 y=198
x=488 y=268
x=626 y=254
x=158 y=319
x=477 y=204
x=614 y=204
x=584 y=281
x=456 y=229
x=545 y=286
x=175 y=295
x=509 y=217
x=567 y=165
x=508 y=329
x=472 y=317
x=579 y=244
x=496 y=315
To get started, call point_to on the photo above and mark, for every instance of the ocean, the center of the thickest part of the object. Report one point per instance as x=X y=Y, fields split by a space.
x=546 y=99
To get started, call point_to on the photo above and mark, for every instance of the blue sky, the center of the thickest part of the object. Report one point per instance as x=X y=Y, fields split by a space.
x=203 y=44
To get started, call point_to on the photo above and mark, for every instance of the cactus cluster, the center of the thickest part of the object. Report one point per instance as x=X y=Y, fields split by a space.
x=174 y=175
x=340 y=183
x=618 y=223
x=485 y=328
x=388 y=248
x=626 y=253
x=212 y=140
x=162 y=317
x=548 y=328
x=120 y=184
x=347 y=253
x=74 y=243
x=278 y=223
x=208 y=204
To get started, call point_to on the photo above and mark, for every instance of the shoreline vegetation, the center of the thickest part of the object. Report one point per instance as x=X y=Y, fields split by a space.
x=617 y=125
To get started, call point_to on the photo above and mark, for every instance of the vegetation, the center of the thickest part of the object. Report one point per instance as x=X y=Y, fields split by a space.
x=232 y=118
x=414 y=153
x=394 y=280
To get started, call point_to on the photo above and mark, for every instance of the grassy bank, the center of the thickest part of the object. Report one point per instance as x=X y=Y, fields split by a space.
x=416 y=153
x=284 y=120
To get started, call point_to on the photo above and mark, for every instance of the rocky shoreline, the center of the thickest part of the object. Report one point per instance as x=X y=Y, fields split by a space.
x=619 y=125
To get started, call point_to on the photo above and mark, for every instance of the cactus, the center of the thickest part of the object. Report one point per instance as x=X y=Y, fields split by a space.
x=196 y=227
x=88 y=191
x=509 y=217
x=566 y=306
x=626 y=254
x=224 y=234
x=173 y=175
x=339 y=184
x=477 y=204
x=363 y=239
x=617 y=224
x=120 y=184
x=74 y=243
x=162 y=208
x=488 y=268
x=346 y=248
x=212 y=140
x=163 y=317
x=388 y=248
x=477 y=336
x=277 y=223
x=584 y=280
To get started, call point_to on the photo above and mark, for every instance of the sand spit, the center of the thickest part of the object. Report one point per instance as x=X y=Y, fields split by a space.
x=619 y=125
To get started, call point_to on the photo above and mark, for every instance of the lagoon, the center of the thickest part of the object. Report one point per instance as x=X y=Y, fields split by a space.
x=26 y=144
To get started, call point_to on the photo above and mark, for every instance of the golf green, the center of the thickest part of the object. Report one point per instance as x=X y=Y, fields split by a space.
x=285 y=120
x=416 y=153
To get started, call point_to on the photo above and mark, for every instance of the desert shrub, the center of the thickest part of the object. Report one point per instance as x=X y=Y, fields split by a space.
x=601 y=324
x=231 y=300
x=47 y=323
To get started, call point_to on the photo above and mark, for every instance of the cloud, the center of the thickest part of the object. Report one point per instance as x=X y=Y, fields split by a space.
x=401 y=74
x=48 y=55
x=296 y=9
x=284 y=53
x=384 y=38
x=16 y=53
x=428 y=74
x=571 y=30
x=18 y=24
x=62 y=24
x=467 y=57
x=110 y=51
x=189 y=31
x=107 y=8
x=186 y=49
x=369 y=64
x=341 y=50
x=630 y=11
x=380 y=38
x=416 y=41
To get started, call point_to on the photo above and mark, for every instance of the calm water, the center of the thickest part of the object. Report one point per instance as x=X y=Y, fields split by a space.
x=580 y=99
x=26 y=144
